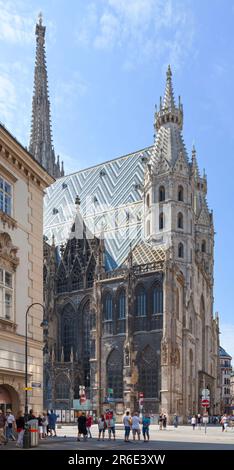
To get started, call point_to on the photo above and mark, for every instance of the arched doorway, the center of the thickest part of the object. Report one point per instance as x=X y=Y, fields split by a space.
x=9 y=398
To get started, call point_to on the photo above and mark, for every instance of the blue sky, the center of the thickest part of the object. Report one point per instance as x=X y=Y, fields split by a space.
x=106 y=65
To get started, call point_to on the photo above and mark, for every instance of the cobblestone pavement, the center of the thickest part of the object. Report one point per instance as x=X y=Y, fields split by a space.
x=182 y=438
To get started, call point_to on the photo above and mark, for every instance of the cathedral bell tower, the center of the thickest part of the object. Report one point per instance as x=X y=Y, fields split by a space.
x=168 y=192
x=40 y=145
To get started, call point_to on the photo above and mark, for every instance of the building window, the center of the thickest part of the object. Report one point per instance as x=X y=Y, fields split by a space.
x=180 y=193
x=157 y=299
x=108 y=307
x=67 y=331
x=148 y=373
x=62 y=280
x=161 y=221
x=62 y=388
x=180 y=250
x=76 y=277
x=161 y=194
x=141 y=302
x=180 y=220
x=114 y=369
x=5 y=196
x=6 y=294
x=121 y=305
x=203 y=247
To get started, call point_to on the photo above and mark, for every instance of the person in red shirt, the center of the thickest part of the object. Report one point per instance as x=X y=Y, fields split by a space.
x=89 y=422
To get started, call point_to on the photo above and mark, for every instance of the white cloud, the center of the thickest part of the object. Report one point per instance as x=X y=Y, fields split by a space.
x=227 y=338
x=15 y=27
x=146 y=29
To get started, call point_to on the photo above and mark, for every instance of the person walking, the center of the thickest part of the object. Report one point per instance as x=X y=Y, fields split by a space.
x=145 y=427
x=175 y=420
x=110 y=421
x=199 y=421
x=10 y=422
x=136 y=426
x=52 y=418
x=164 y=421
x=44 y=424
x=127 y=426
x=82 y=426
x=101 y=427
x=193 y=421
x=20 y=422
x=224 y=422
x=160 y=421
x=3 y=439
x=89 y=422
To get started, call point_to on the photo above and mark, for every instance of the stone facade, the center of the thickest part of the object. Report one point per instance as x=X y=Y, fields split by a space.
x=145 y=328
x=22 y=185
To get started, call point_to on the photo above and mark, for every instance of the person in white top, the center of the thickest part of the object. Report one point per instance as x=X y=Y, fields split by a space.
x=193 y=422
x=10 y=423
x=136 y=426
x=127 y=426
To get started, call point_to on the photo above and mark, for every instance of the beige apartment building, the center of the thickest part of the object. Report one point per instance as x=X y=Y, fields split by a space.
x=22 y=184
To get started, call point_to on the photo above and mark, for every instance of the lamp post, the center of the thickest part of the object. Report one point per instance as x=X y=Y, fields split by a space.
x=43 y=323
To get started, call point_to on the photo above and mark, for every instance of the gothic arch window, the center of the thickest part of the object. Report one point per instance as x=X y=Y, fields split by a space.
x=180 y=250
x=148 y=228
x=140 y=302
x=180 y=220
x=148 y=373
x=178 y=304
x=161 y=194
x=203 y=332
x=90 y=273
x=161 y=221
x=67 y=331
x=121 y=311
x=44 y=274
x=180 y=193
x=157 y=298
x=76 y=277
x=108 y=307
x=203 y=246
x=108 y=313
x=114 y=372
x=62 y=285
x=122 y=304
x=62 y=387
x=86 y=341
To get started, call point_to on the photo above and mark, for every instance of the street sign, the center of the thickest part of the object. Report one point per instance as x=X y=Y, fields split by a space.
x=27 y=388
x=205 y=403
x=110 y=391
x=141 y=395
x=36 y=384
x=205 y=393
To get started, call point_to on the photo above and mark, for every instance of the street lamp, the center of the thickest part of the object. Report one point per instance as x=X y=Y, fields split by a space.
x=43 y=324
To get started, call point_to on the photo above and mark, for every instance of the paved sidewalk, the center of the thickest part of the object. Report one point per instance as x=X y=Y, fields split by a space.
x=182 y=438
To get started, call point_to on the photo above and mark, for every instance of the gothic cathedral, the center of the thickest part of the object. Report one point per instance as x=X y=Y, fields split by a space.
x=128 y=272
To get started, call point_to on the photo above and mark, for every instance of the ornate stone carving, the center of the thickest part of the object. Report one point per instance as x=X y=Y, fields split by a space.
x=8 y=251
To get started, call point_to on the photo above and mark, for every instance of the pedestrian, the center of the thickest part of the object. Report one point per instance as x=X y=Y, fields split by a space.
x=20 y=423
x=136 y=426
x=101 y=427
x=193 y=421
x=52 y=418
x=224 y=422
x=127 y=426
x=10 y=423
x=110 y=421
x=199 y=420
x=145 y=427
x=160 y=421
x=175 y=420
x=44 y=424
x=164 y=421
x=40 y=426
x=31 y=415
x=3 y=439
x=89 y=422
x=82 y=426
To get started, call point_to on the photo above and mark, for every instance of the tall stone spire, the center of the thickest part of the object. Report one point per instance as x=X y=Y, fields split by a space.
x=41 y=146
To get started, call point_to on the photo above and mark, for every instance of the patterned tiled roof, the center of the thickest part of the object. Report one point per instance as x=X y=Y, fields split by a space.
x=144 y=253
x=111 y=204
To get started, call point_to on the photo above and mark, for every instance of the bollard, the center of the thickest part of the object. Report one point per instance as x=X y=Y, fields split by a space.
x=26 y=438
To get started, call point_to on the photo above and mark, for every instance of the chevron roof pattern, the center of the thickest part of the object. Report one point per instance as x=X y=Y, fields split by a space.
x=145 y=253
x=111 y=204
